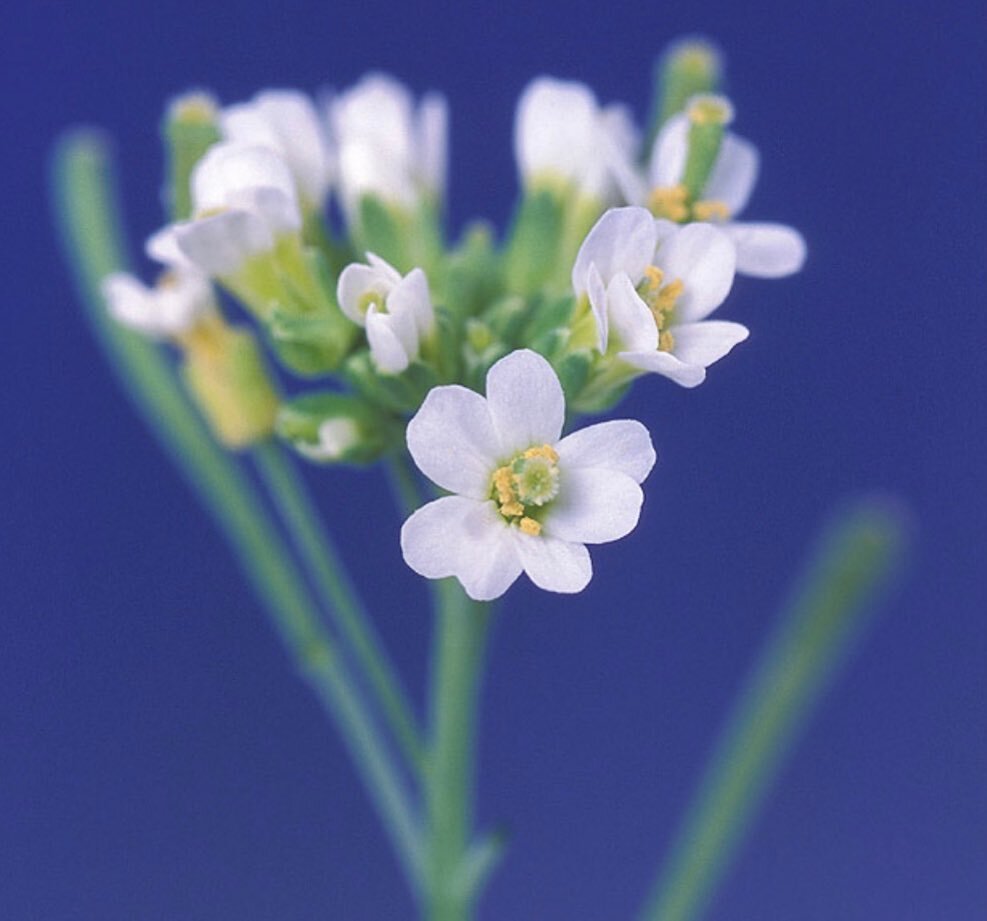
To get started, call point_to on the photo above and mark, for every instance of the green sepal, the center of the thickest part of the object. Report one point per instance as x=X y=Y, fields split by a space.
x=472 y=277
x=704 y=146
x=573 y=371
x=399 y=393
x=382 y=230
x=607 y=382
x=507 y=316
x=188 y=130
x=549 y=315
x=375 y=432
x=533 y=242
x=444 y=347
x=311 y=343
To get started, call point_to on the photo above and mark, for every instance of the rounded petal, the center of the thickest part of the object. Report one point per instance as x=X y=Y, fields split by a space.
x=162 y=246
x=706 y=342
x=618 y=445
x=354 y=282
x=452 y=440
x=220 y=244
x=525 y=400
x=734 y=173
x=410 y=297
x=552 y=564
x=669 y=153
x=388 y=342
x=703 y=257
x=279 y=211
x=594 y=506
x=622 y=240
x=667 y=365
x=631 y=323
x=767 y=250
x=597 y=293
x=456 y=536
x=228 y=168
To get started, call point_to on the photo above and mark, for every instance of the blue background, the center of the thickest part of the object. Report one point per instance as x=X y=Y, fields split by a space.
x=158 y=757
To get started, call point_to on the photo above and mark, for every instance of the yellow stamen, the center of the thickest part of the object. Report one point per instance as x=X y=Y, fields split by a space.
x=711 y=210
x=670 y=202
x=666 y=341
x=546 y=451
x=654 y=276
x=530 y=526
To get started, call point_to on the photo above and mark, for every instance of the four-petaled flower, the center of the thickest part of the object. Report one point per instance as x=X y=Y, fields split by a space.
x=651 y=284
x=524 y=499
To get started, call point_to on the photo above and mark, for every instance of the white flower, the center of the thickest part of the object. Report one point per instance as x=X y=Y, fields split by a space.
x=397 y=312
x=764 y=250
x=286 y=122
x=171 y=308
x=243 y=198
x=385 y=146
x=561 y=132
x=651 y=284
x=524 y=500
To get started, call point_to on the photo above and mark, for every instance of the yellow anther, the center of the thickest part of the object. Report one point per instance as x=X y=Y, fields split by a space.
x=710 y=109
x=530 y=526
x=711 y=210
x=195 y=108
x=666 y=341
x=503 y=484
x=654 y=276
x=512 y=509
x=546 y=451
x=670 y=202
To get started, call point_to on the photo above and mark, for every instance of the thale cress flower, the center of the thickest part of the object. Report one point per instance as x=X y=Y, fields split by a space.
x=524 y=499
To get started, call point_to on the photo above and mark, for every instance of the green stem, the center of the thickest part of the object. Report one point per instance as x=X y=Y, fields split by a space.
x=87 y=215
x=800 y=657
x=322 y=560
x=461 y=628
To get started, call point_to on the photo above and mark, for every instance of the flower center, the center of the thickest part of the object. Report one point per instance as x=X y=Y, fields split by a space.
x=523 y=486
x=672 y=202
x=372 y=298
x=661 y=299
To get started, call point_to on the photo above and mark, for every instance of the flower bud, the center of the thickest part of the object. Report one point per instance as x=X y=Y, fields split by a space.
x=336 y=428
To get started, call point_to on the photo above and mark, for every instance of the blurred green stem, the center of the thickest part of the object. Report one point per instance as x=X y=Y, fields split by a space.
x=87 y=215
x=835 y=597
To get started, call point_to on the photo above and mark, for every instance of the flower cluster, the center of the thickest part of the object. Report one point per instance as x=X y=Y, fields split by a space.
x=618 y=254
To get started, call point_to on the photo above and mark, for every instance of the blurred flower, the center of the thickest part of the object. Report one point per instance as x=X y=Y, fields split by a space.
x=387 y=148
x=562 y=134
x=524 y=499
x=243 y=200
x=286 y=122
x=168 y=310
x=651 y=284
x=397 y=312
x=765 y=250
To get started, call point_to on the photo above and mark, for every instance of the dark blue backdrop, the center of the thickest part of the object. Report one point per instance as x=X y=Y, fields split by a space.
x=159 y=759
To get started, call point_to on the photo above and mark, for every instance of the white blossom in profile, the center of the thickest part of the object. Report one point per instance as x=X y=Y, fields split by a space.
x=523 y=498
x=387 y=146
x=168 y=310
x=285 y=121
x=396 y=311
x=651 y=285
x=562 y=133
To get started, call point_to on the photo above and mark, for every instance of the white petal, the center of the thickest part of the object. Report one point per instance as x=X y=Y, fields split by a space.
x=734 y=173
x=597 y=293
x=525 y=400
x=554 y=565
x=706 y=342
x=703 y=258
x=219 y=245
x=280 y=212
x=622 y=240
x=452 y=440
x=669 y=153
x=433 y=142
x=631 y=323
x=594 y=506
x=229 y=168
x=355 y=281
x=388 y=347
x=410 y=296
x=667 y=365
x=766 y=250
x=618 y=445
x=162 y=246
x=456 y=536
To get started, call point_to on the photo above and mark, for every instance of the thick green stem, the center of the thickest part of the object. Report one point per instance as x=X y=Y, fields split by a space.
x=322 y=560
x=87 y=215
x=461 y=628
x=800 y=657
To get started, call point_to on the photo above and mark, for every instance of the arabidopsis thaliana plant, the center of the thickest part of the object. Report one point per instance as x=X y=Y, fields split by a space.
x=244 y=198
x=286 y=122
x=385 y=146
x=562 y=133
x=524 y=499
x=765 y=250
x=396 y=312
x=651 y=284
x=168 y=310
